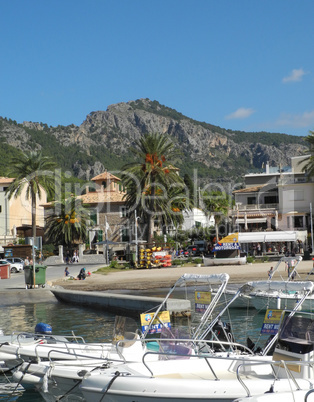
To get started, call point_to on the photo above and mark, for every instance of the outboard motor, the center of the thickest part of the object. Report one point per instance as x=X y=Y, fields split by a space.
x=43 y=329
x=222 y=331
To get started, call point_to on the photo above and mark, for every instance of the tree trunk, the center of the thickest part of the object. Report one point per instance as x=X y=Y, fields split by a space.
x=34 y=234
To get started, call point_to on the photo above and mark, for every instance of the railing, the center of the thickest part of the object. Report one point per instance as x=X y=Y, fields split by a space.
x=254 y=207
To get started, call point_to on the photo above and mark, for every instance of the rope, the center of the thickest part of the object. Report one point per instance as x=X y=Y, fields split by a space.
x=116 y=375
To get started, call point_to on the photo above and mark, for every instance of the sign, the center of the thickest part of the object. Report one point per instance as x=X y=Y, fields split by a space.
x=162 y=320
x=271 y=322
x=226 y=246
x=8 y=252
x=232 y=238
x=202 y=301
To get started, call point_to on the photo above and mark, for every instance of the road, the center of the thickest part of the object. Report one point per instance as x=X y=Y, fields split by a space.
x=53 y=272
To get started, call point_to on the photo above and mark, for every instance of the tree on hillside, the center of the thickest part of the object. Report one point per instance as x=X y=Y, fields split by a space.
x=151 y=180
x=35 y=172
x=68 y=223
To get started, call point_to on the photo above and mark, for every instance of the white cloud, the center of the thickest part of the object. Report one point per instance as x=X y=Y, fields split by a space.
x=241 y=113
x=296 y=120
x=296 y=75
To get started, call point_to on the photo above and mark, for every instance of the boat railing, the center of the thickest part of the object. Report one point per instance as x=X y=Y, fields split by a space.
x=198 y=345
x=21 y=336
x=285 y=364
x=308 y=394
x=75 y=355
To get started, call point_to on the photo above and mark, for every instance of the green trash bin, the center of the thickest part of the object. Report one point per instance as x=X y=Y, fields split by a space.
x=40 y=275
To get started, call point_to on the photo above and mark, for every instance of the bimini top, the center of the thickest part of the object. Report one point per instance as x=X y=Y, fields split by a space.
x=282 y=285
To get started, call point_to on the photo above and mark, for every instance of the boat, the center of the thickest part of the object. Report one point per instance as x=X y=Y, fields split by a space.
x=214 y=378
x=226 y=252
x=214 y=261
x=281 y=295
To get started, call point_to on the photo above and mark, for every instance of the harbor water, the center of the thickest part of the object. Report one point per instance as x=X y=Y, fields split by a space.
x=96 y=325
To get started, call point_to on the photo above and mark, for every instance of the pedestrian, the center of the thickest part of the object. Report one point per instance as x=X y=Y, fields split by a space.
x=26 y=262
x=270 y=272
x=66 y=271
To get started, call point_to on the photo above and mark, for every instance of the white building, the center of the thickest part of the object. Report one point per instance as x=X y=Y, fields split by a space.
x=196 y=218
x=276 y=199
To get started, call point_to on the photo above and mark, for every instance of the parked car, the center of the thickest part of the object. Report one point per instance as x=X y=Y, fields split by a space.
x=14 y=266
x=193 y=250
x=12 y=260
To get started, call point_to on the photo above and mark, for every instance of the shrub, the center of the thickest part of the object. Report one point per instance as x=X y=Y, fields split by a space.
x=250 y=259
x=198 y=260
x=114 y=264
x=177 y=262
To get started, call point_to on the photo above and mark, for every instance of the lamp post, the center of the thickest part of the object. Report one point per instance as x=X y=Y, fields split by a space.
x=136 y=249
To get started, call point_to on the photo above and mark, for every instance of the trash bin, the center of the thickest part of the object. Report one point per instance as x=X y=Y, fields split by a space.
x=40 y=275
x=307 y=255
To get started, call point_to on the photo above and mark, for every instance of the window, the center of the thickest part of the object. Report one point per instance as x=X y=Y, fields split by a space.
x=271 y=199
x=123 y=211
x=198 y=224
x=93 y=218
x=288 y=221
x=251 y=200
x=104 y=183
x=125 y=236
x=298 y=221
x=0 y=208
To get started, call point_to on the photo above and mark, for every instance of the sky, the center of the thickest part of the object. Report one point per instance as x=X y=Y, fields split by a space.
x=239 y=64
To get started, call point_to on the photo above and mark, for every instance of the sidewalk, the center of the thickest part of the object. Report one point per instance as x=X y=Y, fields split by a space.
x=141 y=279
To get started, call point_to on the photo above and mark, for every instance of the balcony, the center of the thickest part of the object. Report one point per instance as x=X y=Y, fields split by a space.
x=255 y=207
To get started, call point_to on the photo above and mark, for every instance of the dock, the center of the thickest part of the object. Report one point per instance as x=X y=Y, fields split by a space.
x=122 y=304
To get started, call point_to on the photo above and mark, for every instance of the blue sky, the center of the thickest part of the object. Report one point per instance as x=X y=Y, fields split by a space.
x=239 y=64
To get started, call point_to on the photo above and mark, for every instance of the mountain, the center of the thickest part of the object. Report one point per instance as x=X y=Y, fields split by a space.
x=104 y=138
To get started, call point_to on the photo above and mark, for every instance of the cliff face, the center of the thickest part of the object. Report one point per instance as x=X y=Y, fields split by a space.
x=104 y=138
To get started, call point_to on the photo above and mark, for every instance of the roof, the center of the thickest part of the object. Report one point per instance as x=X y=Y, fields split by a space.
x=254 y=189
x=102 y=196
x=6 y=180
x=105 y=176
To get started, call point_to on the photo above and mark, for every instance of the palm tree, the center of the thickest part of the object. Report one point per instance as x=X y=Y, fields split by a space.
x=33 y=171
x=149 y=180
x=216 y=203
x=309 y=166
x=68 y=223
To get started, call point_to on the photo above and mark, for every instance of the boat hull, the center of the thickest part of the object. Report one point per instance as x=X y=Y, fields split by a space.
x=224 y=261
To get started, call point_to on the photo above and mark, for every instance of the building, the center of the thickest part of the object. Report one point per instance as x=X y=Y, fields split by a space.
x=277 y=199
x=16 y=214
x=105 y=201
x=196 y=218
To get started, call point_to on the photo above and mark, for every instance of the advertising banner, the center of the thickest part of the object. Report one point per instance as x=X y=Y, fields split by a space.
x=271 y=322
x=202 y=301
x=162 y=320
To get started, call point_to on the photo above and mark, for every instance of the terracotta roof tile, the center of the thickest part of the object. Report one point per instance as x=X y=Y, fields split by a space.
x=106 y=176
x=6 y=180
x=103 y=196
x=254 y=189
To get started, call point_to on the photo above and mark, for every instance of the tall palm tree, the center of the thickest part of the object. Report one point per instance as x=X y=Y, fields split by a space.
x=68 y=223
x=149 y=179
x=309 y=166
x=216 y=203
x=35 y=172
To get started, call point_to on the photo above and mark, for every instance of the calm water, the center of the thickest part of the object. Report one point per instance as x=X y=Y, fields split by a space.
x=96 y=325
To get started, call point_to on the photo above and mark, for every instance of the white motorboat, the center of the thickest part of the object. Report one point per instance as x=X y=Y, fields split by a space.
x=54 y=369
x=215 y=261
x=208 y=378
x=282 y=295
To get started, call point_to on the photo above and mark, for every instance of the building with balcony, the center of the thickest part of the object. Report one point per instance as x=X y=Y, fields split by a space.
x=277 y=199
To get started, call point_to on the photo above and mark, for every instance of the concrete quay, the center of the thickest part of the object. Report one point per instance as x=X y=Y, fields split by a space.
x=122 y=304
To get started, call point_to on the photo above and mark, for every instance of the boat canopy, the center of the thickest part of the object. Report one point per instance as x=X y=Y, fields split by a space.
x=282 y=285
x=214 y=278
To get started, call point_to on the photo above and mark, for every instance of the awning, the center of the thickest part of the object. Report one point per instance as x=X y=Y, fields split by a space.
x=254 y=220
x=267 y=237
